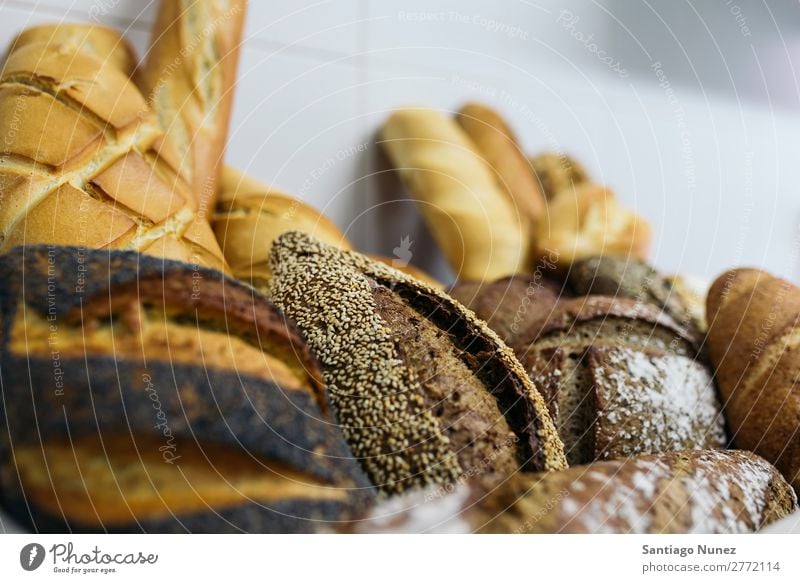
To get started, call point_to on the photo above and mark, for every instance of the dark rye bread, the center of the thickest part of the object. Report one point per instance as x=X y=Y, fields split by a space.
x=149 y=395
x=700 y=492
x=622 y=378
x=634 y=279
x=511 y=304
x=425 y=392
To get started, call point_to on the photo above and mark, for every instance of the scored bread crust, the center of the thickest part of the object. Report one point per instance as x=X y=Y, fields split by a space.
x=259 y=448
x=483 y=236
x=79 y=167
x=379 y=400
x=188 y=78
x=753 y=338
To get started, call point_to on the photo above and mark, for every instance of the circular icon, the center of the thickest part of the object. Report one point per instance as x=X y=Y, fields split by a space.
x=31 y=556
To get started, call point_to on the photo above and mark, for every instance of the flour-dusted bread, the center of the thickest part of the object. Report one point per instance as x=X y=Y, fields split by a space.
x=146 y=395
x=78 y=164
x=189 y=78
x=753 y=339
x=699 y=492
x=425 y=392
x=622 y=378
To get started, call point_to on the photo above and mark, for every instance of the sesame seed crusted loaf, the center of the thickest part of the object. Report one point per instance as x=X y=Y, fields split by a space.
x=702 y=492
x=147 y=395
x=425 y=392
x=622 y=378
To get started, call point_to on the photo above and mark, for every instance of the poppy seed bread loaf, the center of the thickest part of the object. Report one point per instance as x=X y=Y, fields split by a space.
x=148 y=395
x=425 y=392
x=622 y=378
x=699 y=492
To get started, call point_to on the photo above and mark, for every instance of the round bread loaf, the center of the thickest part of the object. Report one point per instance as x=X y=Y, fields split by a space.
x=621 y=378
x=148 y=395
x=700 y=492
x=426 y=393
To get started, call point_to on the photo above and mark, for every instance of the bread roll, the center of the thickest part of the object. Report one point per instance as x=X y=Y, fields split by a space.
x=557 y=172
x=698 y=492
x=753 y=337
x=145 y=395
x=499 y=148
x=78 y=167
x=251 y=215
x=480 y=232
x=622 y=378
x=105 y=44
x=425 y=392
x=188 y=79
x=588 y=221
x=636 y=280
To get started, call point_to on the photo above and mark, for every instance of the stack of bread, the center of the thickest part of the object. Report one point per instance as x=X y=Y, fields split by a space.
x=185 y=348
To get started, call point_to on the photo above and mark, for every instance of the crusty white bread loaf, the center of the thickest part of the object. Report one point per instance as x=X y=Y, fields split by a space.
x=188 y=78
x=79 y=167
x=700 y=492
x=250 y=216
x=588 y=220
x=498 y=146
x=753 y=340
x=474 y=222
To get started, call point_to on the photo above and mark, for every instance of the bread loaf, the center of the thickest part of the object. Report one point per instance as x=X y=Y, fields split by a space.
x=557 y=172
x=697 y=492
x=408 y=269
x=144 y=395
x=621 y=378
x=101 y=42
x=474 y=222
x=79 y=168
x=498 y=146
x=588 y=220
x=636 y=280
x=250 y=216
x=188 y=78
x=425 y=392
x=752 y=340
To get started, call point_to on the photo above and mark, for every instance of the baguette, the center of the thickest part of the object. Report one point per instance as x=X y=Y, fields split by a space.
x=78 y=168
x=752 y=340
x=425 y=392
x=146 y=395
x=480 y=232
x=250 y=216
x=498 y=146
x=189 y=77
x=699 y=492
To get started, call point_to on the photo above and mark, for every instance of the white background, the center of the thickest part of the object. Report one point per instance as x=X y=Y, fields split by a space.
x=318 y=78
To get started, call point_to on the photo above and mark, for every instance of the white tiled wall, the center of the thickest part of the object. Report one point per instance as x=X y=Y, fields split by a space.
x=712 y=160
x=318 y=77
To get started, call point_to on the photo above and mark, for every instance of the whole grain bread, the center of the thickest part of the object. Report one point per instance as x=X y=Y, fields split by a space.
x=425 y=392
x=145 y=395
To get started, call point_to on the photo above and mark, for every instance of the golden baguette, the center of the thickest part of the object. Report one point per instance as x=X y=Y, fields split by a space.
x=250 y=216
x=188 y=78
x=480 y=232
x=498 y=146
x=586 y=221
x=77 y=165
x=753 y=341
x=101 y=42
